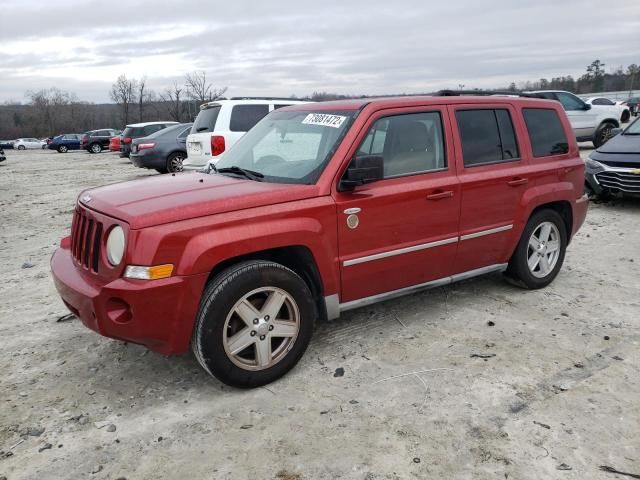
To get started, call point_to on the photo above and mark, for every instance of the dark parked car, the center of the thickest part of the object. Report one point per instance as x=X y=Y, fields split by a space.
x=138 y=130
x=66 y=142
x=615 y=166
x=164 y=150
x=2 y=157
x=634 y=105
x=6 y=144
x=97 y=140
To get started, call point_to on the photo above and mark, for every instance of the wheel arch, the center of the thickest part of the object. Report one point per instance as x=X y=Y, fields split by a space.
x=563 y=208
x=298 y=258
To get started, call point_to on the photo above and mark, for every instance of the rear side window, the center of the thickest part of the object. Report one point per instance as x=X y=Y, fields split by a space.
x=184 y=133
x=206 y=120
x=487 y=136
x=244 y=117
x=545 y=132
x=276 y=107
x=149 y=129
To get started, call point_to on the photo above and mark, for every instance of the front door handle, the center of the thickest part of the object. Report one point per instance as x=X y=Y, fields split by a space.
x=440 y=195
x=517 y=181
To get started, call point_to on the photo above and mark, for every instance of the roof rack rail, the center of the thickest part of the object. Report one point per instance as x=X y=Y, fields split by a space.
x=262 y=98
x=457 y=93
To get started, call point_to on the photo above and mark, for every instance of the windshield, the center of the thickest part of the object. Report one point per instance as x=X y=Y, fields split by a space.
x=634 y=128
x=289 y=147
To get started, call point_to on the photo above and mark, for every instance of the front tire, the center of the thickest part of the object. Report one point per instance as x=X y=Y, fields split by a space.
x=21 y=147
x=95 y=148
x=540 y=251
x=63 y=149
x=254 y=324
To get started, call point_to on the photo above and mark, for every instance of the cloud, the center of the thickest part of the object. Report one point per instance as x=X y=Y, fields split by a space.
x=291 y=47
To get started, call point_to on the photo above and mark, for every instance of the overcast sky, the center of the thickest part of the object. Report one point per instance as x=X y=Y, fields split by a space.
x=284 y=47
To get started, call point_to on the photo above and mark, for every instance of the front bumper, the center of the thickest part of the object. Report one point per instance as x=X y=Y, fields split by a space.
x=158 y=314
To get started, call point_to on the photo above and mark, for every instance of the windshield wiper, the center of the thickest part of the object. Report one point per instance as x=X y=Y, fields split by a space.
x=250 y=174
x=202 y=128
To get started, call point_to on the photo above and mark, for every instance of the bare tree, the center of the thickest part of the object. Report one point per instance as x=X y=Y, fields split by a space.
x=200 y=90
x=123 y=93
x=144 y=96
x=173 y=96
x=49 y=108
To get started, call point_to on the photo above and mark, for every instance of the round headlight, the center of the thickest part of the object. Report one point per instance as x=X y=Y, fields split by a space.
x=115 y=245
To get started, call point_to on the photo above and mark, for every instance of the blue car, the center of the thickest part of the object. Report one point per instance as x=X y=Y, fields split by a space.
x=66 y=142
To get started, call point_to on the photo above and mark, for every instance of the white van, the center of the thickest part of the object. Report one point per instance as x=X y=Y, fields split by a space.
x=221 y=123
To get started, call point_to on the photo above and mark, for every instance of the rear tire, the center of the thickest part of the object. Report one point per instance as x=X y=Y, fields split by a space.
x=625 y=116
x=254 y=324
x=540 y=251
x=174 y=162
x=95 y=148
x=603 y=134
x=63 y=149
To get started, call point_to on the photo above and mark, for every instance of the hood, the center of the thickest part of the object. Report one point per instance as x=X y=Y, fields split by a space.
x=170 y=198
x=621 y=144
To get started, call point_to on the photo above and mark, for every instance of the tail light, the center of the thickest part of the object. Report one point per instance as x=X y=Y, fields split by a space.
x=127 y=140
x=145 y=146
x=217 y=145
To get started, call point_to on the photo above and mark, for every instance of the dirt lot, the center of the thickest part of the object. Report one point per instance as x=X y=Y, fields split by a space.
x=559 y=397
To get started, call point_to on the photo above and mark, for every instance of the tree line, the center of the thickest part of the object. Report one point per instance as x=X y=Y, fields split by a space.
x=53 y=111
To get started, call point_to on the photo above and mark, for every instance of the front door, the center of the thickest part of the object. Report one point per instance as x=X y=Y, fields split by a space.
x=400 y=231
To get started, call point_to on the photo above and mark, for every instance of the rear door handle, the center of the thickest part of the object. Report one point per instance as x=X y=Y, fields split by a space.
x=517 y=181
x=440 y=195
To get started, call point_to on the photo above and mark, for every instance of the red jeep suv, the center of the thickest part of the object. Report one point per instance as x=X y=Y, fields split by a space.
x=319 y=209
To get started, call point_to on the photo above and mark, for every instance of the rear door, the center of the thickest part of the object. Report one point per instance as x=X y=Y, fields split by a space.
x=493 y=177
x=400 y=231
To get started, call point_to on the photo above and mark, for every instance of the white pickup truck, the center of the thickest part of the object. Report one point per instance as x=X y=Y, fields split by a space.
x=591 y=123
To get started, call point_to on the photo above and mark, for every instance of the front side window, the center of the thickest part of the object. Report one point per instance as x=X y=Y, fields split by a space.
x=570 y=102
x=409 y=144
x=289 y=147
x=244 y=117
x=487 y=136
x=545 y=132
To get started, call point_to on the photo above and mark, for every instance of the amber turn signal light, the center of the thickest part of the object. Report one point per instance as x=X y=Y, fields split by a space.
x=155 y=272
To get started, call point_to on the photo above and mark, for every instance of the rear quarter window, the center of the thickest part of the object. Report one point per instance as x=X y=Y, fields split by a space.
x=206 y=120
x=545 y=132
x=244 y=117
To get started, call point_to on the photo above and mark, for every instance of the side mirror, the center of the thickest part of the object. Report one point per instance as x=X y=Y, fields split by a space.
x=363 y=169
x=615 y=131
x=587 y=106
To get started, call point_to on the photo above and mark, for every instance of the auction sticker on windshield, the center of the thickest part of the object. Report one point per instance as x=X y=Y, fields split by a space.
x=324 y=120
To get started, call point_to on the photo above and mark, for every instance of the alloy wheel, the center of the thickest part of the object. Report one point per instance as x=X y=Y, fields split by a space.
x=175 y=163
x=543 y=249
x=261 y=328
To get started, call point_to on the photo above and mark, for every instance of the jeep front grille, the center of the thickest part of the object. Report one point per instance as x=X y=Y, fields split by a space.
x=86 y=238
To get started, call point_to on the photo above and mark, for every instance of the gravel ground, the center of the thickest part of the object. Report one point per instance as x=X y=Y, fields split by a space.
x=558 y=396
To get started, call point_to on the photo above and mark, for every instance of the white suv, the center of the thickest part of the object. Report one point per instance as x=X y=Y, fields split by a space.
x=221 y=123
x=591 y=123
